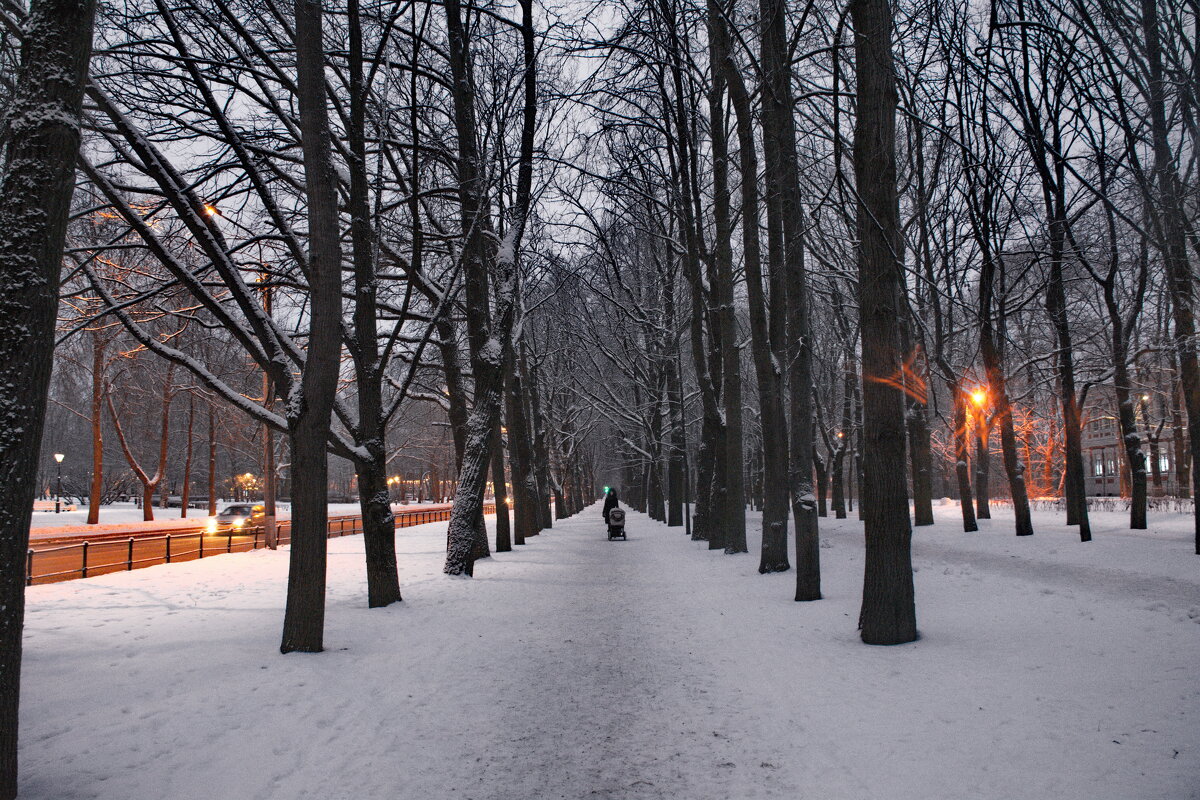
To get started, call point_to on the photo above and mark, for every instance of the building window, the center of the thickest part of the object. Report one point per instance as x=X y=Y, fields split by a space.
x=1099 y=468
x=1164 y=464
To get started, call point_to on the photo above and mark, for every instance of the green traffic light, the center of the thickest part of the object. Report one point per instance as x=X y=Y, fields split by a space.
x=607 y=490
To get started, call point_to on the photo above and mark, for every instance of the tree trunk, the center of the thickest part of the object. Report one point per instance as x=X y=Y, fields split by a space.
x=676 y=473
x=790 y=337
x=507 y=533
x=983 y=467
x=822 y=485
x=212 y=460
x=185 y=495
x=916 y=398
x=998 y=393
x=35 y=199
x=378 y=522
x=270 y=528
x=1180 y=450
x=839 y=455
x=962 y=453
x=1056 y=306
x=541 y=451
x=888 y=611
x=520 y=457
x=308 y=414
x=489 y=335
x=734 y=522
x=1172 y=235
x=767 y=372
x=96 y=491
x=776 y=116
x=379 y=533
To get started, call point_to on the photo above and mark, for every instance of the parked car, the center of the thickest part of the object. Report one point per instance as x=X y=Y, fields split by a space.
x=240 y=515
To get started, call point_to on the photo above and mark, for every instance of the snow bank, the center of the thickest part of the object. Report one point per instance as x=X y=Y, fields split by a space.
x=575 y=667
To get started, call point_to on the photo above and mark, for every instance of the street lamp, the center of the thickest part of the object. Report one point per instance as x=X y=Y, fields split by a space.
x=58 y=457
x=979 y=397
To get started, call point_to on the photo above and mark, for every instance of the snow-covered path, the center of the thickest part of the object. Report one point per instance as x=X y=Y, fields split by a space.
x=575 y=667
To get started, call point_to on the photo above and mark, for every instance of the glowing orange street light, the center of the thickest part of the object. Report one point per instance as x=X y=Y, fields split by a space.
x=979 y=397
x=210 y=209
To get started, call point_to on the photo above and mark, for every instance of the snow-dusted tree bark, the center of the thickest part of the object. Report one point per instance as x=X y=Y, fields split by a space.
x=96 y=490
x=733 y=533
x=764 y=323
x=541 y=451
x=524 y=481
x=990 y=338
x=379 y=524
x=784 y=253
x=784 y=200
x=492 y=332
x=309 y=410
x=888 y=611
x=38 y=180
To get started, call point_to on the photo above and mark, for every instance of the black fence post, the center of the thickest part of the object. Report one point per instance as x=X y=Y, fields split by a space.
x=84 y=567
x=29 y=567
x=129 y=560
x=201 y=545
x=168 y=548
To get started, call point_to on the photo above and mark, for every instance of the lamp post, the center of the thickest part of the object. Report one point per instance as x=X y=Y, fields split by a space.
x=58 y=457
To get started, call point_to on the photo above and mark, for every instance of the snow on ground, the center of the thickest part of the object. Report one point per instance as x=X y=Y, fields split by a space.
x=576 y=668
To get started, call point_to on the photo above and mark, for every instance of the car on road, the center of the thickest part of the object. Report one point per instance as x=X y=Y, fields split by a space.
x=240 y=515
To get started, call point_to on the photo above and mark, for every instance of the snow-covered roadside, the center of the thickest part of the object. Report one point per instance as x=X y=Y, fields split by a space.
x=126 y=518
x=575 y=667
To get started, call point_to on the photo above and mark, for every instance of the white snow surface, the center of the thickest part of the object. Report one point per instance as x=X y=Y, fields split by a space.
x=575 y=667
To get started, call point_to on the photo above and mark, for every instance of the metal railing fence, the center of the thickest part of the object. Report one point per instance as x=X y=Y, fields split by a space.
x=104 y=555
x=1178 y=505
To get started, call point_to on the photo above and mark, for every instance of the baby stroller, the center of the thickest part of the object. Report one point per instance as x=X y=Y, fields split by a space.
x=616 y=524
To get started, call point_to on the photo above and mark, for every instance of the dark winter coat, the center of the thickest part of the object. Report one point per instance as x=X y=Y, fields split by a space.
x=610 y=502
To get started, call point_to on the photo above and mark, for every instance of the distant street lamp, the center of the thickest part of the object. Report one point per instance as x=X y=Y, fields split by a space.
x=979 y=397
x=58 y=457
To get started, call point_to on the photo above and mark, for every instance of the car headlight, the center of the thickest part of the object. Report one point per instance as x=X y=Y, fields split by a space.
x=212 y=525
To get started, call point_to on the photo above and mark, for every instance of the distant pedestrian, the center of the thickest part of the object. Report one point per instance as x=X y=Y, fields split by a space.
x=610 y=502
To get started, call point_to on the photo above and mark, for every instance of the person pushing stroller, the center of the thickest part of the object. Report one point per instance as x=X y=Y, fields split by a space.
x=614 y=517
